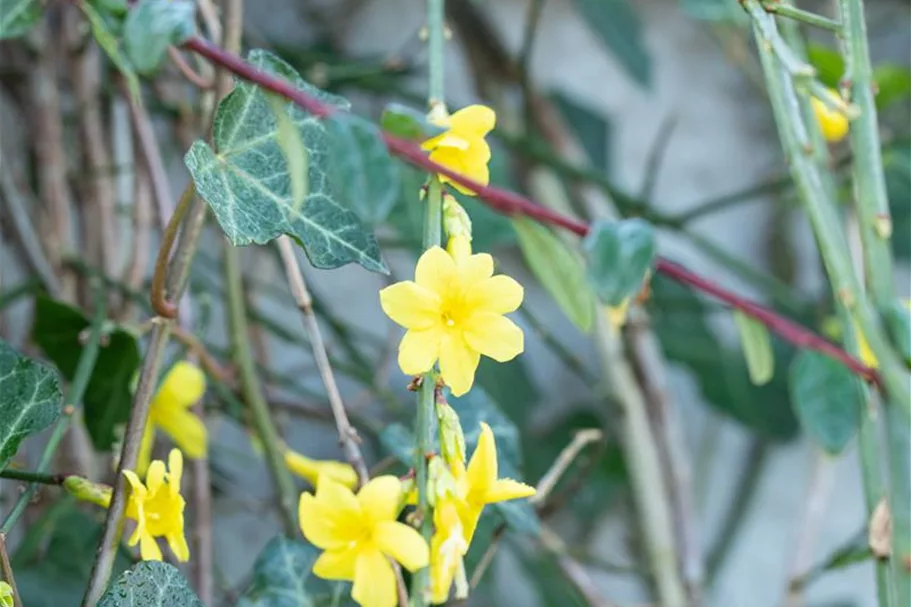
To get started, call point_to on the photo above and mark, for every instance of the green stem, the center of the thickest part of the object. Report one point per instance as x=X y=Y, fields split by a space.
x=77 y=389
x=792 y=12
x=899 y=440
x=436 y=54
x=32 y=477
x=252 y=390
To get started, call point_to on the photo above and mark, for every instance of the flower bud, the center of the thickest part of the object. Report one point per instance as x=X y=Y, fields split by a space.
x=85 y=490
x=832 y=123
x=452 y=439
x=456 y=221
x=440 y=481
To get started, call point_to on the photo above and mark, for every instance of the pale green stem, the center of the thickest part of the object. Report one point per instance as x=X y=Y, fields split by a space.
x=899 y=439
x=253 y=392
x=790 y=11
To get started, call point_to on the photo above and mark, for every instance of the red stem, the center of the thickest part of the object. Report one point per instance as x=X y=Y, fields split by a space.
x=511 y=203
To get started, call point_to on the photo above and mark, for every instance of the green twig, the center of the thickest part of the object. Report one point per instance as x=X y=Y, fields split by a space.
x=41 y=478
x=792 y=12
x=7 y=570
x=84 y=369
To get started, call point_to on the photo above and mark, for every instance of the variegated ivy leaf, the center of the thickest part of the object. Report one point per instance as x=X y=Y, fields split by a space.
x=247 y=184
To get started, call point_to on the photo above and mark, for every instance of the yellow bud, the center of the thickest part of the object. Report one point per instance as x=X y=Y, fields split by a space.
x=314 y=469
x=85 y=490
x=833 y=124
x=456 y=221
x=452 y=439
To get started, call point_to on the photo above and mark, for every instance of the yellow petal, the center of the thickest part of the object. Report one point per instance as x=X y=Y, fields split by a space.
x=507 y=489
x=402 y=543
x=418 y=350
x=380 y=499
x=326 y=527
x=178 y=544
x=182 y=386
x=175 y=470
x=435 y=271
x=477 y=120
x=312 y=469
x=498 y=294
x=459 y=248
x=374 y=581
x=474 y=169
x=410 y=305
x=470 y=515
x=458 y=362
x=474 y=270
x=833 y=124
x=145 y=448
x=482 y=469
x=155 y=476
x=148 y=548
x=337 y=564
x=445 y=140
x=187 y=431
x=494 y=336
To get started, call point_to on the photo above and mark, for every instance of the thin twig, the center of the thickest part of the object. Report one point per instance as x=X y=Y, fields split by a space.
x=347 y=435
x=159 y=297
x=656 y=156
x=573 y=570
x=151 y=154
x=206 y=359
x=33 y=477
x=187 y=70
x=563 y=462
x=790 y=11
x=7 y=569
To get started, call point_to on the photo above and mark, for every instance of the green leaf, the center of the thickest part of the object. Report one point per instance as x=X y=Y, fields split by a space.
x=617 y=25
x=511 y=386
x=620 y=253
x=590 y=128
x=30 y=399
x=407 y=123
x=58 y=331
x=898 y=322
x=247 y=184
x=680 y=320
x=829 y=64
x=897 y=167
x=152 y=26
x=827 y=398
x=757 y=348
x=893 y=83
x=18 y=16
x=282 y=578
x=150 y=584
x=60 y=546
x=365 y=177
x=558 y=270
x=103 y=21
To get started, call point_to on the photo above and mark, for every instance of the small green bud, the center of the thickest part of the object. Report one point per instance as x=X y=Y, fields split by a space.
x=456 y=221
x=452 y=439
x=87 y=491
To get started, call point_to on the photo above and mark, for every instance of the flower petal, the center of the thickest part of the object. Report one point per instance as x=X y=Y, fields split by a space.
x=494 y=336
x=470 y=515
x=458 y=363
x=175 y=470
x=138 y=489
x=182 y=386
x=337 y=564
x=507 y=489
x=482 y=469
x=155 y=476
x=410 y=305
x=381 y=498
x=187 y=431
x=474 y=119
x=446 y=140
x=178 y=544
x=418 y=350
x=374 y=581
x=498 y=294
x=312 y=469
x=402 y=543
x=435 y=271
x=474 y=269
x=474 y=169
x=325 y=526
x=148 y=548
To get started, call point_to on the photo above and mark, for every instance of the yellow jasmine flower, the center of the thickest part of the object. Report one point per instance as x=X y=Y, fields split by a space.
x=6 y=595
x=157 y=507
x=833 y=124
x=182 y=386
x=453 y=311
x=312 y=469
x=462 y=147
x=359 y=535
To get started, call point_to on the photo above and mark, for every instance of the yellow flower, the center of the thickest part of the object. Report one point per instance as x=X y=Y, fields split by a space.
x=157 y=507
x=447 y=553
x=453 y=311
x=359 y=535
x=314 y=469
x=6 y=595
x=182 y=386
x=833 y=124
x=462 y=147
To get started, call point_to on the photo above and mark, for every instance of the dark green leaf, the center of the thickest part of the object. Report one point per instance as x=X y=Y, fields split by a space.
x=827 y=398
x=364 y=176
x=247 y=185
x=510 y=385
x=152 y=26
x=282 y=578
x=18 y=16
x=150 y=584
x=757 y=348
x=103 y=21
x=898 y=321
x=407 y=123
x=558 y=269
x=590 y=128
x=60 y=546
x=108 y=397
x=829 y=64
x=620 y=253
x=617 y=25
x=893 y=83
x=30 y=399
x=680 y=321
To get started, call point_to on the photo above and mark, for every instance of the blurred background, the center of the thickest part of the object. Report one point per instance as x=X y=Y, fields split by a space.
x=606 y=108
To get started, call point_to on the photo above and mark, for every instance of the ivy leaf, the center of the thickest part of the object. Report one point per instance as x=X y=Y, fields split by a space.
x=150 y=584
x=18 y=16
x=757 y=348
x=30 y=399
x=282 y=578
x=827 y=398
x=154 y=25
x=105 y=21
x=247 y=183
x=558 y=270
x=617 y=25
x=108 y=396
x=365 y=177
x=620 y=253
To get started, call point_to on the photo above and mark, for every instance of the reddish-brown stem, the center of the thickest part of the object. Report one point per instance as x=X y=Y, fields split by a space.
x=160 y=303
x=512 y=203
